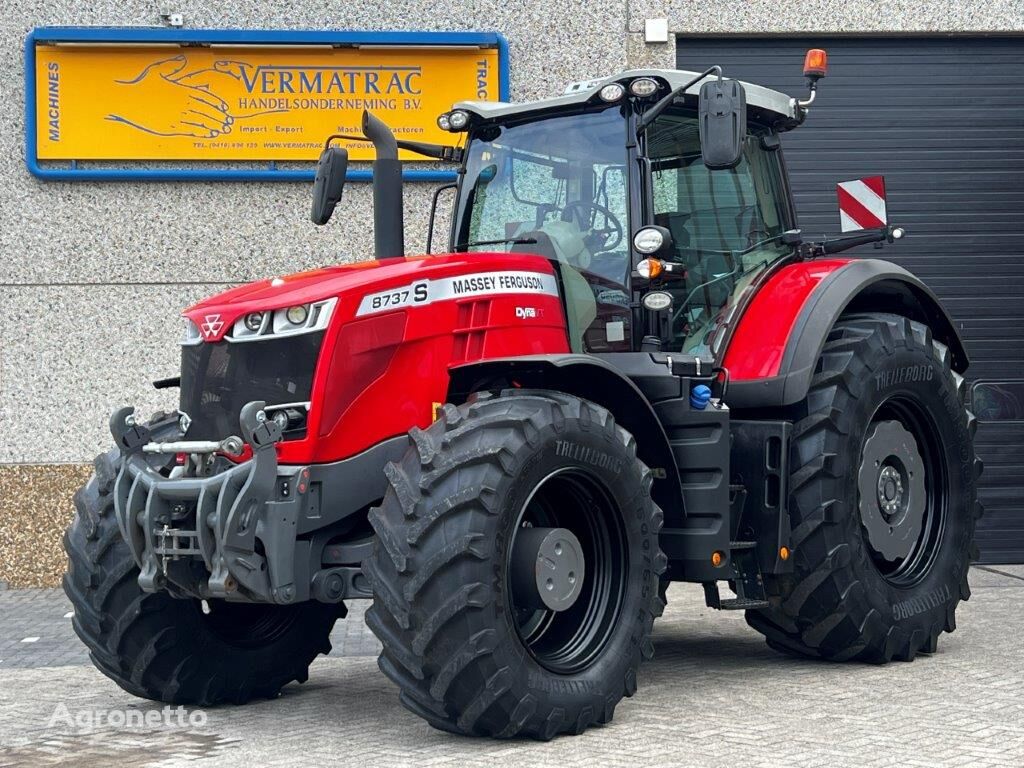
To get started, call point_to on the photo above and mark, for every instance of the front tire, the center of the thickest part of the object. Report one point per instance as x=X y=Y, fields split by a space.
x=461 y=612
x=883 y=499
x=158 y=647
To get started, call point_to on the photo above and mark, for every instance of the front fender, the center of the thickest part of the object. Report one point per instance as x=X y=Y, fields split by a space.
x=772 y=354
x=593 y=379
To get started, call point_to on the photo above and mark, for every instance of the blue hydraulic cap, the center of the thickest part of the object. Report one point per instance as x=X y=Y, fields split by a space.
x=700 y=396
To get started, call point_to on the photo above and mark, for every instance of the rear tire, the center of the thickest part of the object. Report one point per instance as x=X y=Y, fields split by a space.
x=468 y=654
x=166 y=649
x=883 y=499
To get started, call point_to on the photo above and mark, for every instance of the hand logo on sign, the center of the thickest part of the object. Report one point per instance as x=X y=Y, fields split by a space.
x=167 y=101
x=160 y=104
x=226 y=76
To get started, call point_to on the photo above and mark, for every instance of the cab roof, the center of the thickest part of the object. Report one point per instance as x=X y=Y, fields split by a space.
x=773 y=107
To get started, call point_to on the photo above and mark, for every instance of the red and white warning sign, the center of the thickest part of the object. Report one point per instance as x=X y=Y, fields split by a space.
x=862 y=203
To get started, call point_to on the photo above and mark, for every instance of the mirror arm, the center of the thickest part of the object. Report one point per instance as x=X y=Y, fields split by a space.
x=887 y=234
x=651 y=115
x=436 y=151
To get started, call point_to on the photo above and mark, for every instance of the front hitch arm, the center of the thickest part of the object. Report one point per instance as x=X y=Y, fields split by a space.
x=238 y=507
x=228 y=508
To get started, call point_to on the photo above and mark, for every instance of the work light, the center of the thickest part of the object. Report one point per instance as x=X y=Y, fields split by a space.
x=612 y=92
x=458 y=120
x=643 y=86
x=649 y=240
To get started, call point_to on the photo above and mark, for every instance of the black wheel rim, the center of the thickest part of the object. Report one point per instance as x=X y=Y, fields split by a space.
x=568 y=641
x=245 y=625
x=903 y=491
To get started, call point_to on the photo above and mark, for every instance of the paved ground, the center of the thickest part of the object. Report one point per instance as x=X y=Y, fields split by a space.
x=35 y=631
x=713 y=696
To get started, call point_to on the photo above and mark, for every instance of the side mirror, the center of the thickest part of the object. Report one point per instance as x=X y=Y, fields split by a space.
x=329 y=183
x=722 y=115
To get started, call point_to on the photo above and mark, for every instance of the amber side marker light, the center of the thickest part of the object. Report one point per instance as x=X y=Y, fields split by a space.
x=717 y=558
x=815 y=64
x=650 y=268
x=784 y=553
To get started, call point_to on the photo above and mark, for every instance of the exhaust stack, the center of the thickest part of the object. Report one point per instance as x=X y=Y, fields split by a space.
x=388 y=224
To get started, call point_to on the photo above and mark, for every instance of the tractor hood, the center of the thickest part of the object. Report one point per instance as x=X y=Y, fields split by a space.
x=214 y=318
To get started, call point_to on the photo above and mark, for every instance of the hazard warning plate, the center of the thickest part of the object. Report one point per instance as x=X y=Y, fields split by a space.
x=862 y=203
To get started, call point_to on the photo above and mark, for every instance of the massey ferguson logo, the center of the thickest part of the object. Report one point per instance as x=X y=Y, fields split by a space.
x=211 y=326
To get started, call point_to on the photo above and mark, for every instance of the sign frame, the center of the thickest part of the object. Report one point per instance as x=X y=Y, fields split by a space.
x=253 y=37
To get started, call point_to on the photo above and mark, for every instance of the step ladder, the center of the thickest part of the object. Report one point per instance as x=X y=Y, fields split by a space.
x=747 y=581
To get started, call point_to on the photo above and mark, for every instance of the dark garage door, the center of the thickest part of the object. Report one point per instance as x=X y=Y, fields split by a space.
x=943 y=120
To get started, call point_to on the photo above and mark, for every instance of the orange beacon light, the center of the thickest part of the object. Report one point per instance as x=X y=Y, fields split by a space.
x=815 y=64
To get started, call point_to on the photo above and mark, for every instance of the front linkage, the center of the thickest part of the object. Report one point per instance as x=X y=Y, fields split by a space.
x=170 y=523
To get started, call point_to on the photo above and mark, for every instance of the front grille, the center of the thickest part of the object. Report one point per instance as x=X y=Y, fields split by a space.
x=218 y=379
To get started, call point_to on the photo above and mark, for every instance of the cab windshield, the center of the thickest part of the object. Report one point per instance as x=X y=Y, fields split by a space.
x=557 y=187
x=726 y=225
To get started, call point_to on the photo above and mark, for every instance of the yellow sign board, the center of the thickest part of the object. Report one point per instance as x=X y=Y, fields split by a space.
x=258 y=102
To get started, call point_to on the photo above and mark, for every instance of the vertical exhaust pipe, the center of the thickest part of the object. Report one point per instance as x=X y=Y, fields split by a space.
x=388 y=225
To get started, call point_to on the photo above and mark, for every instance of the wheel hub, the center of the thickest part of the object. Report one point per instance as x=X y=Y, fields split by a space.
x=890 y=491
x=892 y=494
x=547 y=568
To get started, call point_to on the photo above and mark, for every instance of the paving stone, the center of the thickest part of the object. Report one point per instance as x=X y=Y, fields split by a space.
x=714 y=695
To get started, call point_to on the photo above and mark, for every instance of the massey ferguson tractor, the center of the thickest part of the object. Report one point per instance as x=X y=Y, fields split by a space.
x=630 y=368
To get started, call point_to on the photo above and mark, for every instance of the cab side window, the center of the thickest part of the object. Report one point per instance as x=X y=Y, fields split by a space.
x=726 y=225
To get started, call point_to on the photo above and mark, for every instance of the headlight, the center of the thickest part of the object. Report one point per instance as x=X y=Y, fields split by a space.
x=649 y=240
x=287 y=321
x=612 y=92
x=643 y=86
x=289 y=418
x=254 y=321
x=297 y=315
x=458 y=119
x=281 y=419
x=191 y=334
x=444 y=123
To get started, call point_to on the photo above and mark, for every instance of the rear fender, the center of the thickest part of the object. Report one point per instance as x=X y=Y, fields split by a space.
x=773 y=351
x=593 y=379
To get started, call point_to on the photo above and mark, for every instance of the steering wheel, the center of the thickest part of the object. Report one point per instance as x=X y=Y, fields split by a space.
x=585 y=215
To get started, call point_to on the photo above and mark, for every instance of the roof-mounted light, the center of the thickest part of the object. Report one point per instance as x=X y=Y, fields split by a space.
x=458 y=119
x=643 y=87
x=443 y=123
x=815 y=68
x=612 y=92
x=815 y=64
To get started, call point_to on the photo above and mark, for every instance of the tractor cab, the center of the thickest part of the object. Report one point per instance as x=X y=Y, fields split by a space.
x=610 y=182
x=658 y=195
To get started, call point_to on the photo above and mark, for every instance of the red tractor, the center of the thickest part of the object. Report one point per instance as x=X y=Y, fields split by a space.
x=630 y=368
